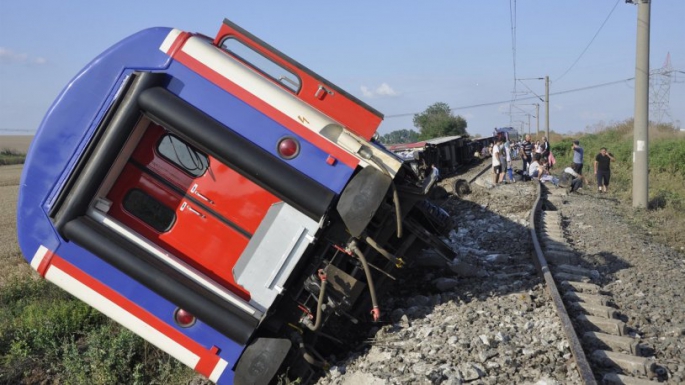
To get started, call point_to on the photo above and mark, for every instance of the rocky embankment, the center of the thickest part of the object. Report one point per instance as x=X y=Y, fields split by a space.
x=486 y=318
x=483 y=318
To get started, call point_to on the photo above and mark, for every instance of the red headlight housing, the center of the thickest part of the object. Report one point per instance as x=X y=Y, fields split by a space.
x=288 y=147
x=183 y=318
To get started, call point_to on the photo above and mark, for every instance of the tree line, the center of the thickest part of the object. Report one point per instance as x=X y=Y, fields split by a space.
x=435 y=122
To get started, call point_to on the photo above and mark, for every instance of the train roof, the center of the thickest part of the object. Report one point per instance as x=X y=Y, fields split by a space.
x=444 y=139
x=405 y=146
x=434 y=141
x=505 y=129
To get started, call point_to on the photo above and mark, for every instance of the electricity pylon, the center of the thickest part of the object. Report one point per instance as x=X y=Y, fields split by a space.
x=660 y=91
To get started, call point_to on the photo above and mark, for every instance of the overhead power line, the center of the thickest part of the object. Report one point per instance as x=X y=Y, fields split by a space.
x=525 y=98
x=590 y=43
x=512 y=21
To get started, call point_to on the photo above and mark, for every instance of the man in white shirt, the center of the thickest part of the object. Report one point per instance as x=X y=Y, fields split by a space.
x=571 y=179
x=507 y=171
x=496 y=164
x=431 y=178
x=534 y=169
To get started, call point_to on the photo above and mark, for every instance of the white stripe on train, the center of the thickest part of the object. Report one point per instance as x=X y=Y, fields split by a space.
x=256 y=84
x=121 y=315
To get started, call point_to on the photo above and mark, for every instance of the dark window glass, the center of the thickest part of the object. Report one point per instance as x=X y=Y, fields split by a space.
x=149 y=210
x=262 y=64
x=181 y=154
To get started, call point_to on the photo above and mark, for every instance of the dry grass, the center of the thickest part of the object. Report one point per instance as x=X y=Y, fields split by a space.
x=12 y=263
x=664 y=221
x=17 y=143
x=9 y=176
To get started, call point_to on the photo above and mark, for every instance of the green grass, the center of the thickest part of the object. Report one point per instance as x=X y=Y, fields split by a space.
x=663 y=218
x=47 y=336
x=8 y=157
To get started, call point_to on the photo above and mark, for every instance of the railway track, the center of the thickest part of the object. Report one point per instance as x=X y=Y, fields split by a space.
x=604 y=347
x=499 y=316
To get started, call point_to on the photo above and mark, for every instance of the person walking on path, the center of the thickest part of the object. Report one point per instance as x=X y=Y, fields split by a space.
x=526 y=152
x=603 y=169
x=578 y=153
x=496 y=163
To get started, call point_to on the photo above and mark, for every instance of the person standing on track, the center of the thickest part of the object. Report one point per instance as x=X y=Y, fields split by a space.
x=603 y=169
x=578 y=153
x=526 y=152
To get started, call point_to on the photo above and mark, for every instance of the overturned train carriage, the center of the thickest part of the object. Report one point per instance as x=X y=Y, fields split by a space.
x=449 y=154
x=220 y=200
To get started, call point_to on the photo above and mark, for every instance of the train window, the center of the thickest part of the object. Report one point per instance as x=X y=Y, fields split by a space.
x=149 y=210
x=183 y=155
x=262 y=64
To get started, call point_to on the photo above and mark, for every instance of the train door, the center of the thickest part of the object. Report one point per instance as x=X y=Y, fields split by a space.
x=189 y=204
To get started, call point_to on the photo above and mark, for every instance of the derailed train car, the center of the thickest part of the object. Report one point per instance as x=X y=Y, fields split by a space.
x=222 y=201
x=448 y=153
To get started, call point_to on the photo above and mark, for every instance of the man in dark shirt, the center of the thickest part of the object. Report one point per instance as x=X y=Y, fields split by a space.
x=603 y=169
x=526 y=152
x=544 y=147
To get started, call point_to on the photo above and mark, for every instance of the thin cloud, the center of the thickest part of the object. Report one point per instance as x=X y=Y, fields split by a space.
x=381 y=91
x=385 y=90
x=7 y=56
x=367 y=92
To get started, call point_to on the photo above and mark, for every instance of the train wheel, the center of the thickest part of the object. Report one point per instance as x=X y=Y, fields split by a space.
x=461 y=188
x=261 y=360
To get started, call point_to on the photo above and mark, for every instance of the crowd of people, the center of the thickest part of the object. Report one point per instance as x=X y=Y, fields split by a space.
x=537 y=162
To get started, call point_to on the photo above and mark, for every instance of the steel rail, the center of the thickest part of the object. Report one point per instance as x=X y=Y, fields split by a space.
x=582 y=363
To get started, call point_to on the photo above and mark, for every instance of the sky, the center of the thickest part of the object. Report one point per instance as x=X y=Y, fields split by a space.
x=484 y=58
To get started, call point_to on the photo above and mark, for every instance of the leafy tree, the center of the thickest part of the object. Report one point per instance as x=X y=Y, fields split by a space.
x=438 y=121
x=400 y=136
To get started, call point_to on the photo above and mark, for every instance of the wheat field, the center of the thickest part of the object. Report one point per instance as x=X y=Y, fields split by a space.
x=12 y=264
x=16 y=143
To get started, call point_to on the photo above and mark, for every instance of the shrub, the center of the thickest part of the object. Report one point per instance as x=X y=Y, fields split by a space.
x=47 y=336
x=37 y=323
x=111 y=354
x=8 y=156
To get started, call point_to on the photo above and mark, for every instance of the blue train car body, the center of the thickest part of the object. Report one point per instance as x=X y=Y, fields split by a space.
x=219 y=199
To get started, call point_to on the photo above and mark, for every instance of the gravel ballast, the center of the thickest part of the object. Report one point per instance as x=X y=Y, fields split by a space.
x=486 y=317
